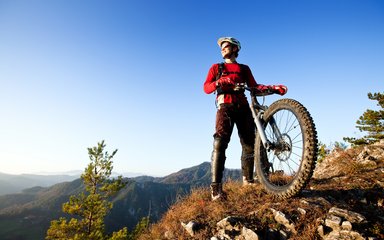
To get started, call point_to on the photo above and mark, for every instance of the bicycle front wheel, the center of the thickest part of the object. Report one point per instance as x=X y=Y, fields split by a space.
x=287 y=167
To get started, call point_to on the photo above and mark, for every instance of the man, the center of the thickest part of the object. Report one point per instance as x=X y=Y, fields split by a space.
x=233 y=108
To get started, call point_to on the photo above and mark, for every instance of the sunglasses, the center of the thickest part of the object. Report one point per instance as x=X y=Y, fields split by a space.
x=225 y=46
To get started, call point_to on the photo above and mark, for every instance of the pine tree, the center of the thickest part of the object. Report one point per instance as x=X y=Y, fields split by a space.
x=139 y=229
x=371 y=122
x=91 y=207
x=322 y=151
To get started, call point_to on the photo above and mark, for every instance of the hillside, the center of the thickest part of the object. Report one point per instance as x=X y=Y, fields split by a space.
x=344 y=200
x=197 y=176
x=27 y=215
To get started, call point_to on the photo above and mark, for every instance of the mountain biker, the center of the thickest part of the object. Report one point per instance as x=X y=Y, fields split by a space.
x=232 y=108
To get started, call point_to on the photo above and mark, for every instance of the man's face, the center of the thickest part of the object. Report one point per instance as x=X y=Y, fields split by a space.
x=226 y=50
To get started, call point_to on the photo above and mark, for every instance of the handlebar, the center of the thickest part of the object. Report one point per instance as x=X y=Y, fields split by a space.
x=253 y=90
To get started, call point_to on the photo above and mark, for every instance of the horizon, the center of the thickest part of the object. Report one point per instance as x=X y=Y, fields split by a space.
x=71 y=173
x=114 y=173
x=132 y=73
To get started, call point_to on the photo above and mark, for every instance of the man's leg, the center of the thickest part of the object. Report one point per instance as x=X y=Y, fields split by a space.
x=217 y=167
x=246 y=129
x=247 y=163
x=218 y=159
x=224 y=127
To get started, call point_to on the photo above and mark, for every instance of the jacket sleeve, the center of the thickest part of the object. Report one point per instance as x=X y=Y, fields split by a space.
x=210 y=82
x=251 y=82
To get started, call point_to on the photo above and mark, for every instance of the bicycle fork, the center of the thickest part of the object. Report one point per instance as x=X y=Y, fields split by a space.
x=257 y=116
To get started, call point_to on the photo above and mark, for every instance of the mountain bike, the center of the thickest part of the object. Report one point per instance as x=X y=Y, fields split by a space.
x=286 y=144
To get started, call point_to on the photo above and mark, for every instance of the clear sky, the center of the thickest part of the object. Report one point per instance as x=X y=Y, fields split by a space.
x=73 y=73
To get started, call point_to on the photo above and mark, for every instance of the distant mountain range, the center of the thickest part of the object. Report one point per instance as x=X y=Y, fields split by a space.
x=27 y=215
x=16 y=183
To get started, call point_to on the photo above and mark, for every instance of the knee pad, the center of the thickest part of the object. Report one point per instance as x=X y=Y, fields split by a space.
x=219 y=144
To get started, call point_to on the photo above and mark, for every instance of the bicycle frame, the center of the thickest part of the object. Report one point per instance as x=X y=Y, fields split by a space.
x=257 y=112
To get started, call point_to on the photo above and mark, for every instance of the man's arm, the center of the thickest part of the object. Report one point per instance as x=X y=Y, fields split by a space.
x=210 y=82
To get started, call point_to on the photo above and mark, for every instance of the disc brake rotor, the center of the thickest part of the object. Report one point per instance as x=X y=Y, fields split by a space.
x=284 y=148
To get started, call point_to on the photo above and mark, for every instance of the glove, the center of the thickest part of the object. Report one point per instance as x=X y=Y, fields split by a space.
x=263 y=88
x=279 y=89
x=225 y=83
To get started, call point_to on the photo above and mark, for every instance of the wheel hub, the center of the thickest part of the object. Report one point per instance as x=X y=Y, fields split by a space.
x=283 y=149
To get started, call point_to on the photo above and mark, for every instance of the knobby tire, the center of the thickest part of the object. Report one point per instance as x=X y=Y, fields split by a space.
x=268 y=164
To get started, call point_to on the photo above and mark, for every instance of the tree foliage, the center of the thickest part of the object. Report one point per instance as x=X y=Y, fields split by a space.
x=91 y=206
x=371 y=122
x=140 y=228
x=322 y=151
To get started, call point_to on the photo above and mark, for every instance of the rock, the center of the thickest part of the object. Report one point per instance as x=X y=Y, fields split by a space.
x=191 y=227
x=341 y=230
x=369 y=158
x=371 y=153
x=231 y=228
x=333 y=222
x=344 y=235
x=282 y=219
x=363 y=155
x=301 y=211
x=325 y=169
x=315 y=202
x=366 y=159
x=369 y=164
x=321 y=231
x=346 y=225
x=230 y=223
x=248 y=234
x=353 y=217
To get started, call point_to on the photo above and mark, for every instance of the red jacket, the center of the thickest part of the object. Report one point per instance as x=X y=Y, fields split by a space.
x=237 y=74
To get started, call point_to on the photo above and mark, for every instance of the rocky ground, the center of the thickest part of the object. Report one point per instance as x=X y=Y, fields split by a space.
x=344 y=200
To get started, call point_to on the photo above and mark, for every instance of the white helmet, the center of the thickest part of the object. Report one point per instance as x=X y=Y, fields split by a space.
x=230 y=40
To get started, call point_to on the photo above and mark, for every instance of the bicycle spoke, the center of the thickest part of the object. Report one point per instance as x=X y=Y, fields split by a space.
x=299 y=156
x=285 y=162
x=293 y=127
x=296 y=143
x=299 y=134
x=288 y=121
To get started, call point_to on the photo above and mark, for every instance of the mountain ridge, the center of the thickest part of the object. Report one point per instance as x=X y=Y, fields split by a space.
x=35 y=207
x=15 y=183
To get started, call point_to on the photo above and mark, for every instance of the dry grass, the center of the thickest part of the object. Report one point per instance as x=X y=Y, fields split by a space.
x=356 y=189
x=251 y=204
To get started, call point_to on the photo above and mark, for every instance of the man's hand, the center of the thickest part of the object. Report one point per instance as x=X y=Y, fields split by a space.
x=225 y=82
x=279 y=89
x=263 y=88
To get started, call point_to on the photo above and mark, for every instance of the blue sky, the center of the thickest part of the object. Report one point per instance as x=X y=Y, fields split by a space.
x=73 y=73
